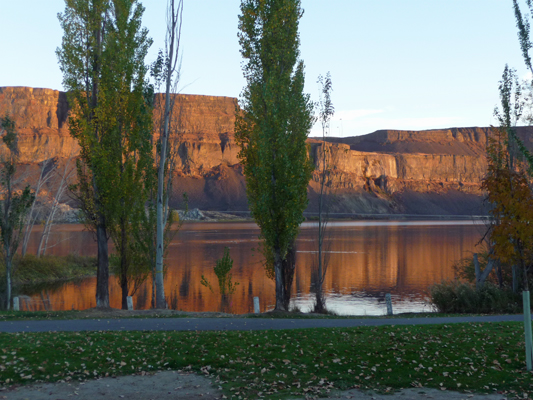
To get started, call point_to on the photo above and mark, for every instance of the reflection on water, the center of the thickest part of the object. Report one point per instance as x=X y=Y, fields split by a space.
x=367 y=260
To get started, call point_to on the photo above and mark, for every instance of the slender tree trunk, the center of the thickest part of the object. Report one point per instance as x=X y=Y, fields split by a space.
x=43 y=242
x=159 y=278
x=289 y=266
x=102 y=272
x=280 y=281
x=499 y=273
x=516 y=274
x=29 y=226
x=46 y=233
x=174 y=22
x=153 y=289
x=30 y=220
x=8 y=281
x=524 y=268
x=320 y=306
x=7 y=232
x=43 y=300
x=124 y=266
x=55 y=204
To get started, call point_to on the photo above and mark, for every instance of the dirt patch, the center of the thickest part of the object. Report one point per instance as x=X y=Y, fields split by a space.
x=415 y=394
x=177 y=385
x=162 y=385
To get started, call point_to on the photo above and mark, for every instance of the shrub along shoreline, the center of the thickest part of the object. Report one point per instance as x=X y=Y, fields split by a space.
x=478 y=357
x=31 y=269
x=33 y=274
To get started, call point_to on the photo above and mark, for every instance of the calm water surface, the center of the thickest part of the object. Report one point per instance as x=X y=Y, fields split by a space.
x=367 y=260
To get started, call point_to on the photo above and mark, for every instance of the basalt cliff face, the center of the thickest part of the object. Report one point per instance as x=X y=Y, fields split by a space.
x=387 y=171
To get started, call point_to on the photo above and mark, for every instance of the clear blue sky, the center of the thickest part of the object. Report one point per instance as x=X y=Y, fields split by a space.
x=395 y=64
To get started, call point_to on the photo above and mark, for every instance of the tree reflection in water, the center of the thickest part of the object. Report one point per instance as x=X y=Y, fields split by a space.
x=368 y=259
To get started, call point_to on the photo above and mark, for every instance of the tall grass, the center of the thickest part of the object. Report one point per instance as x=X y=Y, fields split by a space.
x=31 y=269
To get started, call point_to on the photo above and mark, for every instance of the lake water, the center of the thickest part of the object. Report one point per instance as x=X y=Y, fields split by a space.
x=368 y=260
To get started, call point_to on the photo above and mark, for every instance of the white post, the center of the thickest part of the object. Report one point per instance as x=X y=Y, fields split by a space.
x=257 y=309
x=388 y=299
x=16 y=304
x=129 y=300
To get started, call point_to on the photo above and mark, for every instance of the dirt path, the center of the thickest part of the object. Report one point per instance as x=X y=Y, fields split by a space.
x=174 y=385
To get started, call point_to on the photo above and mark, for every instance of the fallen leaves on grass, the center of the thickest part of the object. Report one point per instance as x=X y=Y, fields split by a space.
x=263 y=364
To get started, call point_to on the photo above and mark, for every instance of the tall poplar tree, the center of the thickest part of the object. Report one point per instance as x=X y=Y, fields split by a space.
x=102 y=60
x=130 y=163
x=271 y=127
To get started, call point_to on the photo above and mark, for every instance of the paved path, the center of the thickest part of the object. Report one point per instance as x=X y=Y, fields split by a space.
x=229 y=324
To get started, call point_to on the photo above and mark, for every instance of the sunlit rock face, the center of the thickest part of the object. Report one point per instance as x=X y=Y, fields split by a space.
x=387 y=171
x=41 y=119
x=413 y=172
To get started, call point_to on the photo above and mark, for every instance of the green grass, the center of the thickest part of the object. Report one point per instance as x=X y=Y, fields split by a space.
x=75 y=314
x=37 y=315
x=486 y=358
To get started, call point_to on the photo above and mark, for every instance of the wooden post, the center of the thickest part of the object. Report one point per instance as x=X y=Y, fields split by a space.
x=257 y=309
x=388 y=299
x=129 y=300
x=527 y=329
x=16 y=304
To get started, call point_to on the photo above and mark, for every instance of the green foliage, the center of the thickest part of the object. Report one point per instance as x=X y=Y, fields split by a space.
x=222 y=271
x=102 y=60
x=10 y=137
x=31 y=269
x=465 y=270
x=274 y=364
x=14 y=206
x=272 y=123
x=524 y=30
x=460 y=297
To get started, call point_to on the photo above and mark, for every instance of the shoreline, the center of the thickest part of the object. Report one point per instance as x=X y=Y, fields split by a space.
x=197 y=215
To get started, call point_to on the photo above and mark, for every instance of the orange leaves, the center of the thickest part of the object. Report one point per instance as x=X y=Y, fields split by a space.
x=511 y=196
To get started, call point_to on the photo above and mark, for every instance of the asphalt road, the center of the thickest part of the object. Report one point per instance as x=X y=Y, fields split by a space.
x=229 y=324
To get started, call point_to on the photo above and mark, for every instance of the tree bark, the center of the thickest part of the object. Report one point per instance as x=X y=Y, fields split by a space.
x=43 y=242
x=515 y=278
x=280 y=286
x=482 y=276
x=160 y=301
x=8 y=281
x=159 y=279
x=289 y=266
x=124 y=265
x=102 y=271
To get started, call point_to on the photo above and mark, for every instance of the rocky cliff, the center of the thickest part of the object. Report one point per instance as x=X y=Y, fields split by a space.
x=387 y=171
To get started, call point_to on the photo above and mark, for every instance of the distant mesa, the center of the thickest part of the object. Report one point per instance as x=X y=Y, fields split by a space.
x=431 y=172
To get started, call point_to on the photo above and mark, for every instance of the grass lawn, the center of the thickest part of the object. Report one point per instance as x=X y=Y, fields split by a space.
x=480 y=357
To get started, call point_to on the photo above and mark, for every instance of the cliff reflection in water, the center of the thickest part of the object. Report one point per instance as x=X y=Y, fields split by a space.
x=368 y=259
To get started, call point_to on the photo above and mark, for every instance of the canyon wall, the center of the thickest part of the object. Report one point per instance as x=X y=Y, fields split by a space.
x=387 y=171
